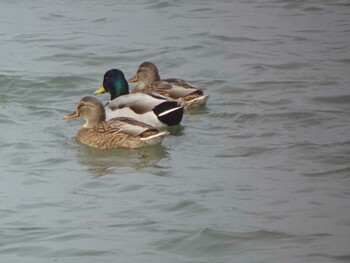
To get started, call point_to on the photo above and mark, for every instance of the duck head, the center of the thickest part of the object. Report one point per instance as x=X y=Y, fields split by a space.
x=146 y=74
x=114 y=83
x=91 y=110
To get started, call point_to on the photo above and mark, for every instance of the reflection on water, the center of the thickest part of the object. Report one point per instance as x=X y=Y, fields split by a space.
x=197 y=111
x=105 y=162
x=176 y=130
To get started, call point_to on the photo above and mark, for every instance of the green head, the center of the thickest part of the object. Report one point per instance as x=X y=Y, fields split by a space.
x=114 y=83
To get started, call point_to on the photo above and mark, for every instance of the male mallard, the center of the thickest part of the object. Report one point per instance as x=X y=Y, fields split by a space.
x=188 y=95
x=149 y=108
x=117 y=132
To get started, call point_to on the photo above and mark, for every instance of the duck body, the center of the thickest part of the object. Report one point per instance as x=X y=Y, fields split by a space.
x=150 y=108
x=115 y=133
x=188 y=95
x=120 y=132
x=154 y=110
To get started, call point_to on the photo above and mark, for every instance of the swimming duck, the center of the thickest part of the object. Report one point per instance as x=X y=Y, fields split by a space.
x=117 y=132
x=188 y=95
x=153 y=109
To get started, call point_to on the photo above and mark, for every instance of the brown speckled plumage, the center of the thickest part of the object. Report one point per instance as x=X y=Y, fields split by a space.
x=117 y=132
x=188 y=95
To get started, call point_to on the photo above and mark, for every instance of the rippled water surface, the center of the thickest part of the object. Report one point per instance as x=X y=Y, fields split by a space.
x=261 y=174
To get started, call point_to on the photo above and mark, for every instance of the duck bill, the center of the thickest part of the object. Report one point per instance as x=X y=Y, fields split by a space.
x=74 y=114
x=100 y=91
x=134 y=79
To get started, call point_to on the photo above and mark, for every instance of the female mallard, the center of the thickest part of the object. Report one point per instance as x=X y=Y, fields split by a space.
x=118 y=132
x=149 y=108
x=186 y=94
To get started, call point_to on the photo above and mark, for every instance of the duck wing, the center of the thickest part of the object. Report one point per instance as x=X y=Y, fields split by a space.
x=176 y=88
x=140 y=103
x=180 y=82
x=149 y=108
x=133 y=127
x=124 y=125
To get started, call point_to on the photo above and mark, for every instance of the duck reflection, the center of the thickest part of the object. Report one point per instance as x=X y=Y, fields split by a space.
x=176 y=130
x=105 y=162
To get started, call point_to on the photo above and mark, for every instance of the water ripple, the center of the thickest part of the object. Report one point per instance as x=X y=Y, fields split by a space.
x=282 y=66
x=344 y=172
x=343 y=99
x=232 y=39
x=215 y=243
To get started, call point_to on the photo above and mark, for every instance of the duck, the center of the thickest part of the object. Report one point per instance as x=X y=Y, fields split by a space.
x=188 y=95
x=116 y=133
x=150 y=108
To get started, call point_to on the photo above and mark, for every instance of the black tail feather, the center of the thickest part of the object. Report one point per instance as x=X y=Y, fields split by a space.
x=173 y=115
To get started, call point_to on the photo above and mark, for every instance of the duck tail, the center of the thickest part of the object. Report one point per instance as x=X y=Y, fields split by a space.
x=169 y=112
x=159 y=134
x=196 y=102
x=155 y=138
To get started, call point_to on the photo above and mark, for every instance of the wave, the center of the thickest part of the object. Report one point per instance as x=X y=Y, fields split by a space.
x=333 y=172
x=341 y=99
x=215 y=243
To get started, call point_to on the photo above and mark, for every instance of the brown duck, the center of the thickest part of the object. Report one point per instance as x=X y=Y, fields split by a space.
x=188 y=95
x=117 y=132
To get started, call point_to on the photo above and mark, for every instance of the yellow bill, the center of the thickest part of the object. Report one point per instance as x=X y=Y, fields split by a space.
x=100 y=91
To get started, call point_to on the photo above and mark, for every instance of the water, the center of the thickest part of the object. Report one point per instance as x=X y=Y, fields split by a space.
x=259 y=175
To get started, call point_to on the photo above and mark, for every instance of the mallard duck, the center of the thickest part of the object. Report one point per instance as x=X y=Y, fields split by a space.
x=188 y=95
x=153 y=109
x=118 y=132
